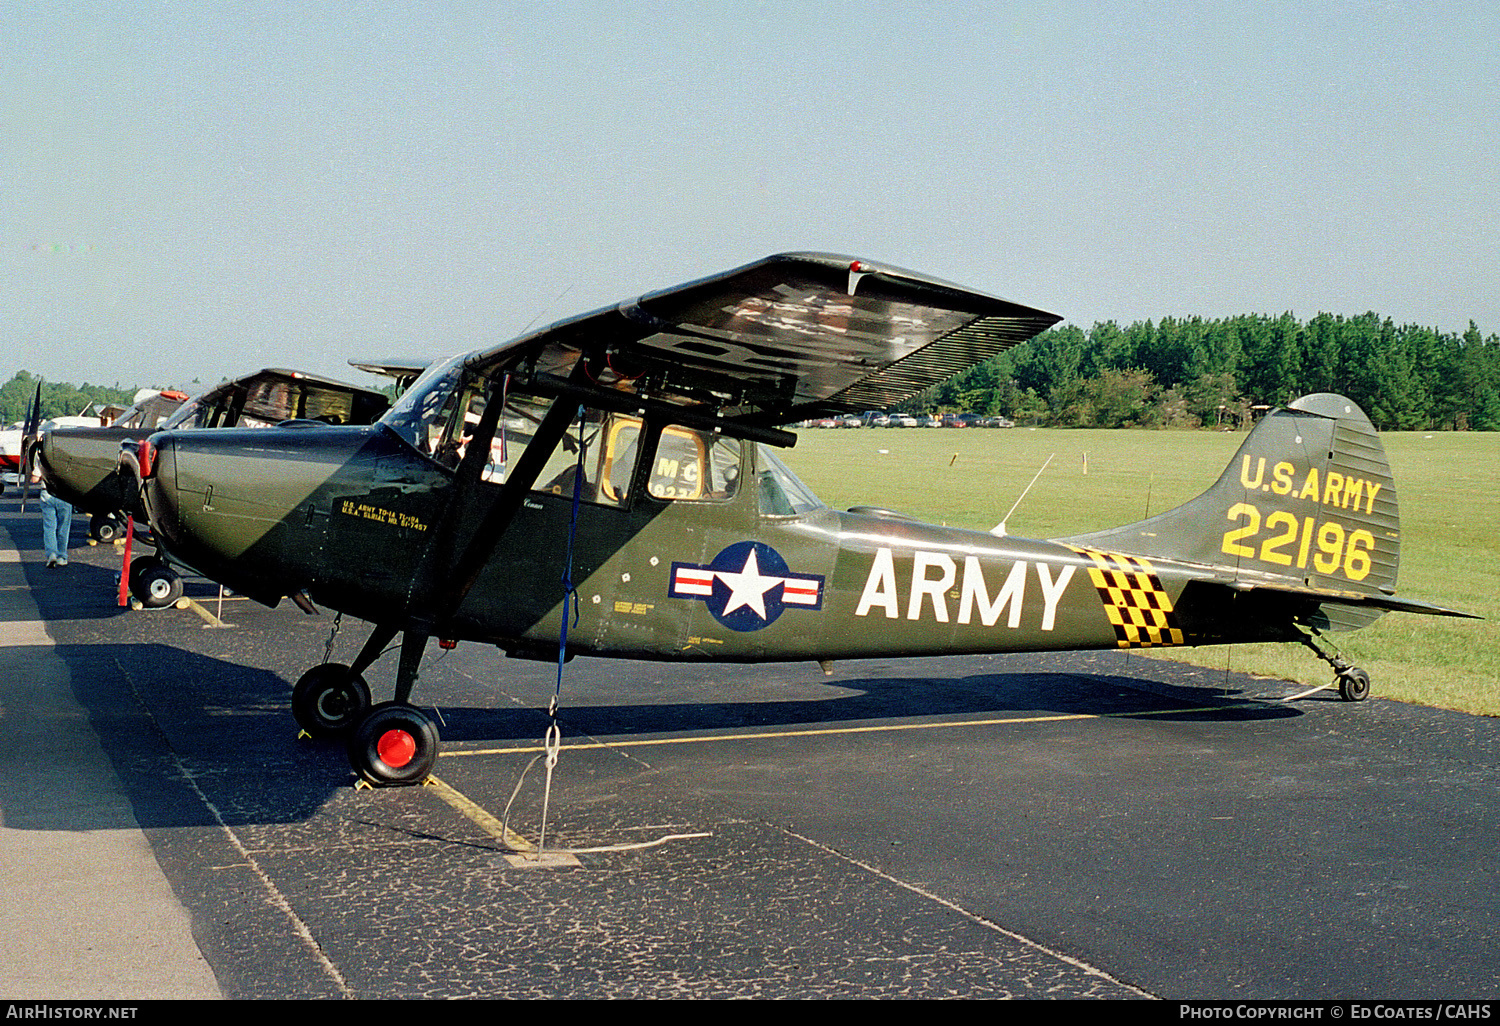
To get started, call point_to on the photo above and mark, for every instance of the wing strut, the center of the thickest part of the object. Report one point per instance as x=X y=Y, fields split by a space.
x=458 y=559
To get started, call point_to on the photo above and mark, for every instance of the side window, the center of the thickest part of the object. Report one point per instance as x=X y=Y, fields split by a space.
x=603 y=451
x=781 y=493
x=694 y=465
x=688 y=464
x=681 y=466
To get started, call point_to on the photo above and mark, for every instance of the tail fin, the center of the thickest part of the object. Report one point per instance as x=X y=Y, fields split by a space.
x=1308 y=499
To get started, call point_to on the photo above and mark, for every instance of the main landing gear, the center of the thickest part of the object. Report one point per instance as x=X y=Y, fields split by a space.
x=106 y=527
x=329 y=700
x=389 y=745
x=1354 y=683
x=154 y=583
x=394 y=744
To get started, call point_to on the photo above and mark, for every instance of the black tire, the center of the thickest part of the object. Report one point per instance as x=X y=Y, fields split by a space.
x=157 y=585
x=105 y=527
x=394 y=745
x=138 y=565
x=329 y=699
x=1354 y=685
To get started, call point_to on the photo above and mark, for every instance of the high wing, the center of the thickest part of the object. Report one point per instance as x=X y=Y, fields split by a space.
x=778 y=340
x=403 y=369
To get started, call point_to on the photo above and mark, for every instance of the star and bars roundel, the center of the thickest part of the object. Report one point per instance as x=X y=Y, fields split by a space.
x=747 y=586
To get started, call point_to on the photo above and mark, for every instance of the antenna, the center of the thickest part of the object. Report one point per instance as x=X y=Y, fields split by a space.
x=999 y=529
x=544 y=309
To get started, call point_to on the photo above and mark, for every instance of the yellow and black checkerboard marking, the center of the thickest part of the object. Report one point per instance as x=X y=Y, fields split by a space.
x=1133 y=600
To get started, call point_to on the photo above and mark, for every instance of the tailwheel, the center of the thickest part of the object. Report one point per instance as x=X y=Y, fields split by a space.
x=1354 y=684
x=329 y=699
x=395 y=744
x=155 y=584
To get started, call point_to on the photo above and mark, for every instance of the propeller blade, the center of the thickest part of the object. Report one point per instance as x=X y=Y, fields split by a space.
x=28 y=439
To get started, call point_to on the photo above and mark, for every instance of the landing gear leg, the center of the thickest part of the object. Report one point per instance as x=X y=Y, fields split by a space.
x=1354 y=683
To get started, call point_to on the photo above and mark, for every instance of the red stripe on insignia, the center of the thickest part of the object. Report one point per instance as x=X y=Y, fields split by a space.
x=800 y=592
x=693 y=582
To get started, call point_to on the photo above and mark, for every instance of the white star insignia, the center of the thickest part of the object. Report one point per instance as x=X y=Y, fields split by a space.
x=748 y=588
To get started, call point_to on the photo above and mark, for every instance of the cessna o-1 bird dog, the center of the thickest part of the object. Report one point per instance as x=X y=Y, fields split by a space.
x=607 y=485
x=85 y=466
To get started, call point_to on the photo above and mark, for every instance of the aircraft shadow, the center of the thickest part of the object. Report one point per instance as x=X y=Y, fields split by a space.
x=864 y=700
x=186 y=739
x=194 y=740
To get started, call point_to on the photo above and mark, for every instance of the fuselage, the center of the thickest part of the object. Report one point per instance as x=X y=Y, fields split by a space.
x=366 y=523
x=80 y=465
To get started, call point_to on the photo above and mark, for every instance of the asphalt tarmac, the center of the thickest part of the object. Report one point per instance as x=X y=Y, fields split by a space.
x=1058 y=826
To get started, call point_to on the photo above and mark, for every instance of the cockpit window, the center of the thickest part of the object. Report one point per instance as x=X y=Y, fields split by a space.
x=271 y=400
x=597 y=458
x=781 y=493
x=268 y=398
x=585 y=450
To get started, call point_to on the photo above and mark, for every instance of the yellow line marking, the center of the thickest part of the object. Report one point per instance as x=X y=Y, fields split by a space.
x=479 y=817
x=830 y=730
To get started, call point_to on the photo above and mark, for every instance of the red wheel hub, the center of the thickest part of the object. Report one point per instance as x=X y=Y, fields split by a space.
x=396 y=748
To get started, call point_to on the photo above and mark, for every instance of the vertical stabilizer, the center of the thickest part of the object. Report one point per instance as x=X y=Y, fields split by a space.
x=1308 y=498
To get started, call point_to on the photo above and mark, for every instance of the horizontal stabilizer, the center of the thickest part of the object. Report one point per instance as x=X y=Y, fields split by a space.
x=1332 y=596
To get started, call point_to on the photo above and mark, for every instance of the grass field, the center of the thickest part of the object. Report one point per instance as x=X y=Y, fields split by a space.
x=1447 y=484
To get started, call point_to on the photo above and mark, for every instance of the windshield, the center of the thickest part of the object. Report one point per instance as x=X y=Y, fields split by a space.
x=416 y=415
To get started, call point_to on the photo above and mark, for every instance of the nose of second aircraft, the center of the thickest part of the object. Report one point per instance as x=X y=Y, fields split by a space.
x=248 y=507
x=154 y=470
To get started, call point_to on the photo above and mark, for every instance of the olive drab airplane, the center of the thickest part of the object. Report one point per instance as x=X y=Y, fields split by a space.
x=609 y=485
x=85 y=465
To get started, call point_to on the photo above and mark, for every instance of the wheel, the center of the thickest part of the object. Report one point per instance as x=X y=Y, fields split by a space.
x=138 y=565
x=105 y=527
x=156 y=585
x=393 y=745
x=329 y=699
x=1354 y=685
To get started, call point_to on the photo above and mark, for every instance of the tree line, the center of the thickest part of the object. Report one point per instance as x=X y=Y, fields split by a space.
x=1178 y=372
x=1196 y=372
x=59 y=399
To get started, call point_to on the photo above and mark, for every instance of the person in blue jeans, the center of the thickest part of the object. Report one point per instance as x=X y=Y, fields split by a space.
x=57 y=525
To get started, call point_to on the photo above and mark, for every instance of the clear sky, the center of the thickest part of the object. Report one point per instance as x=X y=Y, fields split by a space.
x=198 y=190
